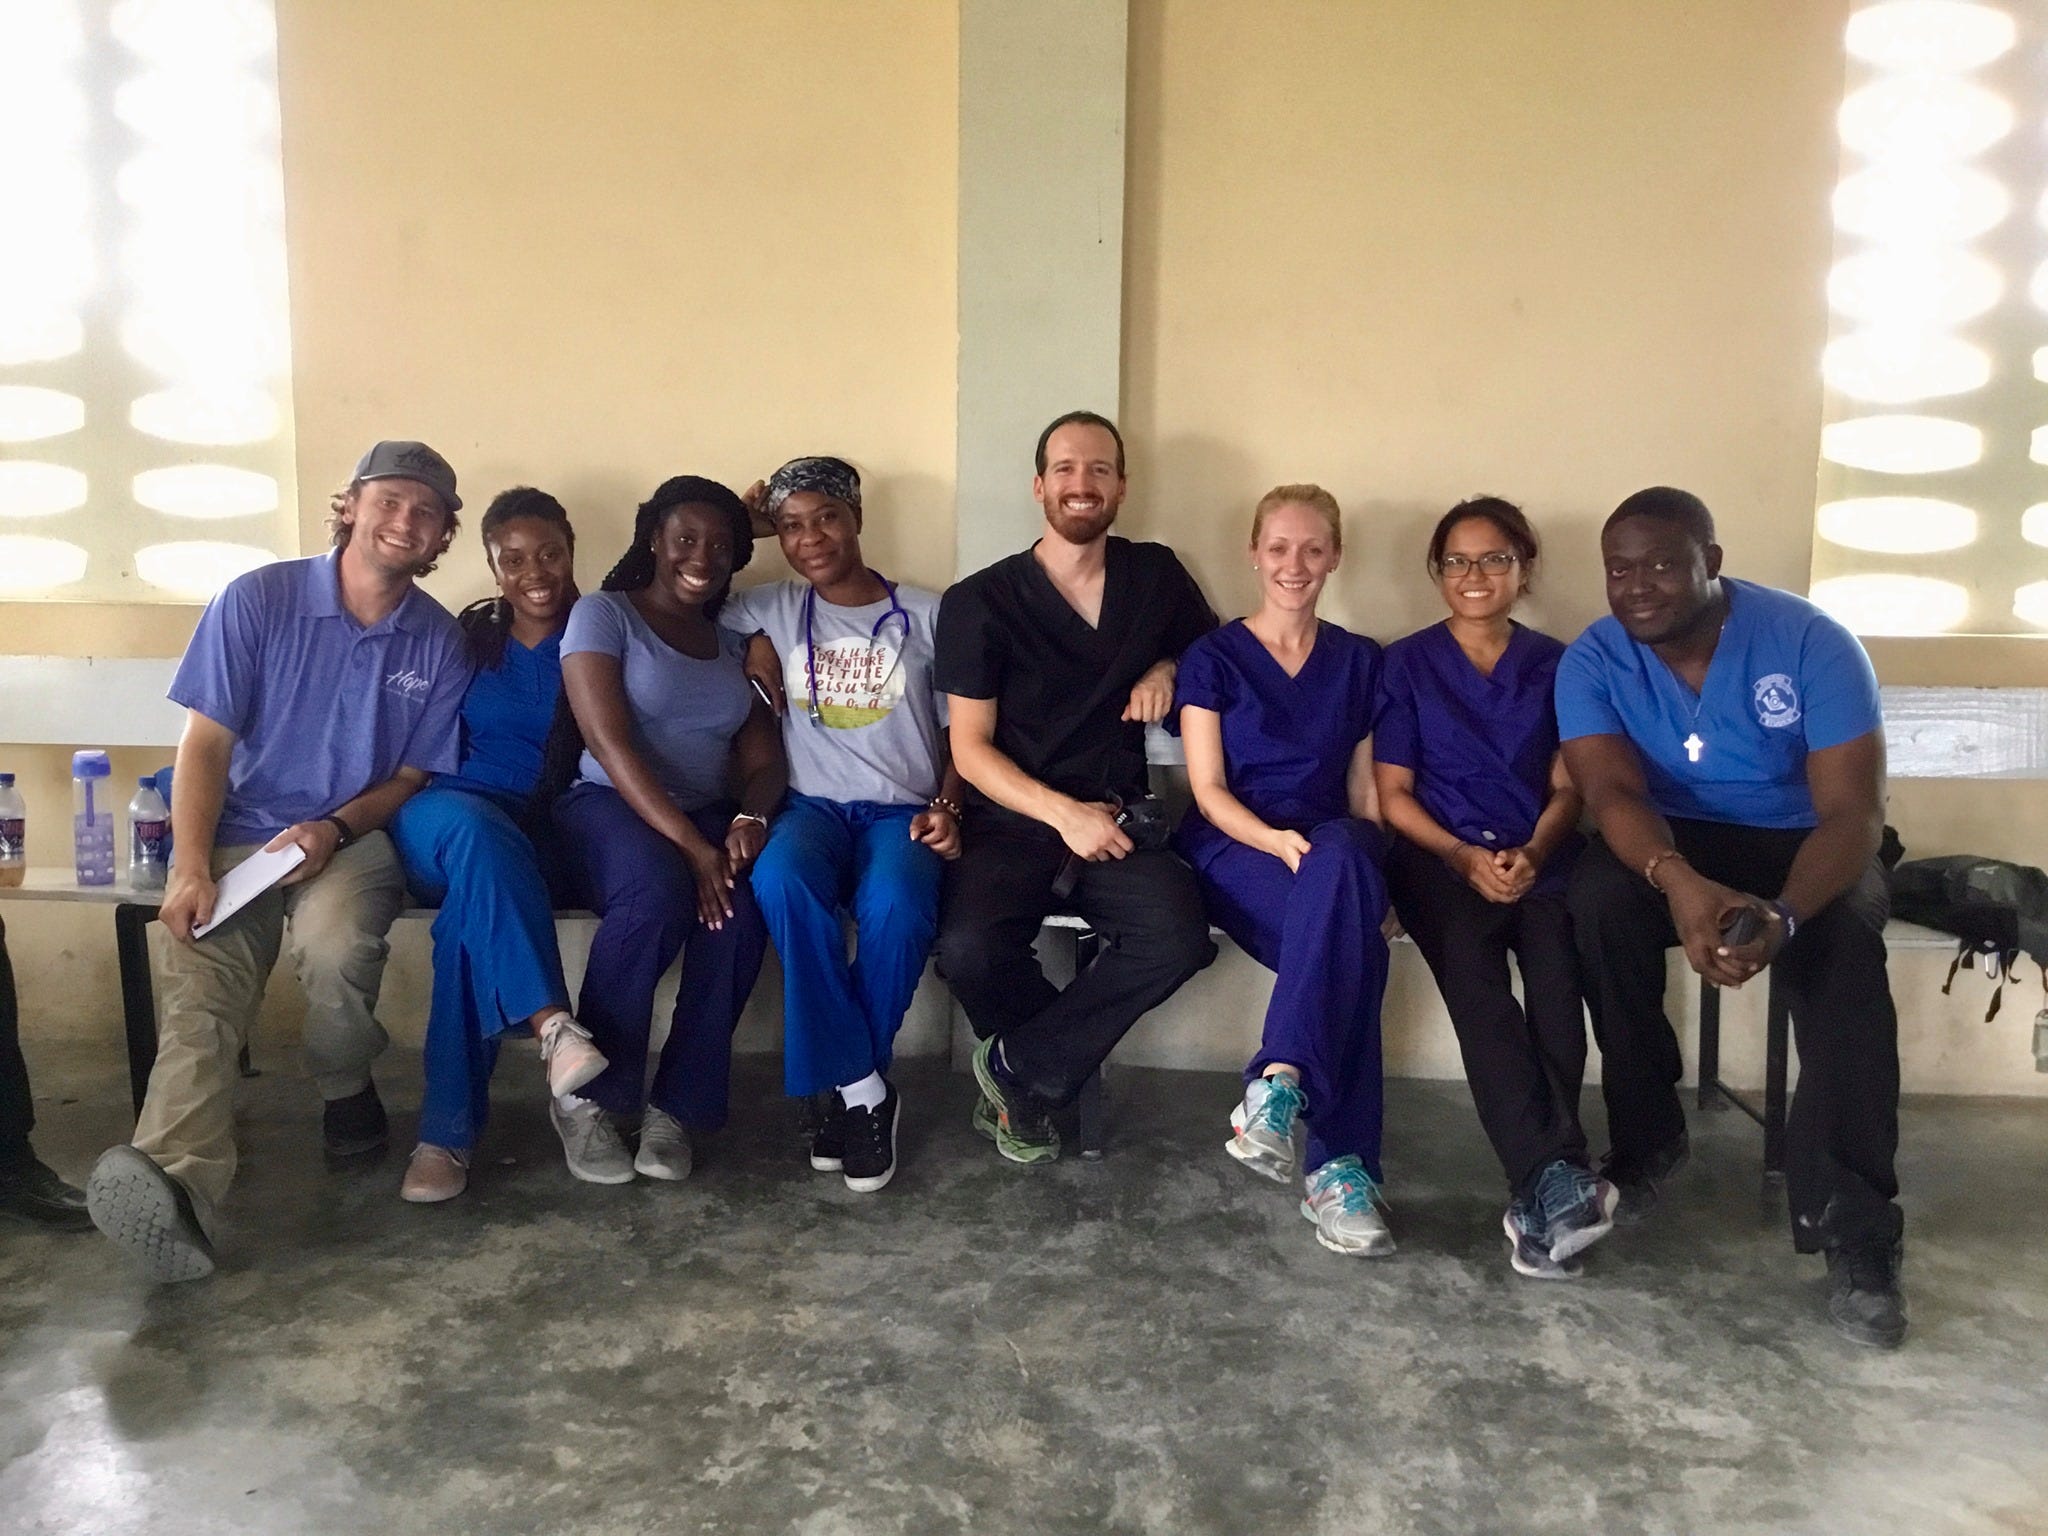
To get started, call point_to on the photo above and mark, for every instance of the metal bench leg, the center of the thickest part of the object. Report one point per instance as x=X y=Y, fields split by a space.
x=138 y=993
x=1709 y=1092
x=1776 y=1070
x=1093 y=1104
x=1094 y=1109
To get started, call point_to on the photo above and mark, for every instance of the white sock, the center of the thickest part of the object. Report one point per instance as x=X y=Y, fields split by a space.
x=868 y=1093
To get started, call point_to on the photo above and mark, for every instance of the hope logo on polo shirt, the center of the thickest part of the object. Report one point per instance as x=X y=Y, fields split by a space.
x=409 y=684
x=1776 y=698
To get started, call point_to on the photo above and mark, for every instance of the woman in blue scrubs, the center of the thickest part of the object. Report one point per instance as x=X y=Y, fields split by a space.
x=1276 y=711
x=666 y=720
x=479 y=844
x=1470 y=777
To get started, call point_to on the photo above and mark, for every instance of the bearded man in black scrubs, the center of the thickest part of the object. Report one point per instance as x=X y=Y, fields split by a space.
x=1053 y=662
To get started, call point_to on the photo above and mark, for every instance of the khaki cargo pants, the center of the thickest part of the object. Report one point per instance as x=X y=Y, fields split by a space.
x=212 y=988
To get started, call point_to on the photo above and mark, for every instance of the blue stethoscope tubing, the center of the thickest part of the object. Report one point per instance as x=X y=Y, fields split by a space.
x=895 y=611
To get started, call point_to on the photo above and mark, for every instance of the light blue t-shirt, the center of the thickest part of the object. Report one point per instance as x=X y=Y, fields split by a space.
x=1785 y=680
x=321 y=707
x=685 y=711
x=876 y=734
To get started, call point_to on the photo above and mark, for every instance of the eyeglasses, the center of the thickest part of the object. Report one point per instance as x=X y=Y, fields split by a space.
x=1495 y=563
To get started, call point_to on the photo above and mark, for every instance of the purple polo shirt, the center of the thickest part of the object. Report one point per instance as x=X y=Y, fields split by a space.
x=321 y=708
x=1480 y=747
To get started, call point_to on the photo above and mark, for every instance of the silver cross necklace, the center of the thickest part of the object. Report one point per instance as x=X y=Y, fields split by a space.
x=1693 y=744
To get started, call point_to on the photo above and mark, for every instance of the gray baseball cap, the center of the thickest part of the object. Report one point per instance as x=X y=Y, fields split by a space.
x=410 y=461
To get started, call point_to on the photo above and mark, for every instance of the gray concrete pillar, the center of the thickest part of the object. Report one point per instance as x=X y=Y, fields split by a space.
x=1042 y=91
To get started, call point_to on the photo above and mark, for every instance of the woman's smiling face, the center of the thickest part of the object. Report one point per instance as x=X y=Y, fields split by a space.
x=693 y=553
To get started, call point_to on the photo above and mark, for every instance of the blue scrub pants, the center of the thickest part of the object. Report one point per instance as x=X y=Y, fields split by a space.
x=645 y=897
x=1319 y=931
x=496 y=963
x=839 y=1019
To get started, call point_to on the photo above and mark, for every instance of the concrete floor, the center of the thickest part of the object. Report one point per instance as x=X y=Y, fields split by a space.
x=1154 y=1343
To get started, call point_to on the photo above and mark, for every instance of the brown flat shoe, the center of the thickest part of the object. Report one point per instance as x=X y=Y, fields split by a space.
x=434 y=1174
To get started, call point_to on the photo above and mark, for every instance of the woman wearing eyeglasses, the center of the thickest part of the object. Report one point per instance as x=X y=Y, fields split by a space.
x=874 y=807
x=1467 y=765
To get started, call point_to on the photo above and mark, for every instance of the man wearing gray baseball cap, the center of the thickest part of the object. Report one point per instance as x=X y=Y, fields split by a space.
x=320 y=694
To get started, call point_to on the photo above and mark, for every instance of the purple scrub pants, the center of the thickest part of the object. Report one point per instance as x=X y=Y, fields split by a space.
x=646 y=900
x=1319 y=931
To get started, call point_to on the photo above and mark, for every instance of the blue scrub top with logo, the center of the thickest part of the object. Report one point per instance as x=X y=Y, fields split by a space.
x=1480 y=746
x=1785 y=680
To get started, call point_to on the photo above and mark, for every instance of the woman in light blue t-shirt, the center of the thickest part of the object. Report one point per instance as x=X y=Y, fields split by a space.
x=667 y=721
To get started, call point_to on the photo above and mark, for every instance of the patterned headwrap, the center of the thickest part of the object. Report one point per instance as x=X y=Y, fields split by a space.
x=826 y=476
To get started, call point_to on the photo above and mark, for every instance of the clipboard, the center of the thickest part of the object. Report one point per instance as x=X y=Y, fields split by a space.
x=248 y=880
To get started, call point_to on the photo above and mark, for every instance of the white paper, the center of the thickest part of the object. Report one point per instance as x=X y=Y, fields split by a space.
x=248 y=880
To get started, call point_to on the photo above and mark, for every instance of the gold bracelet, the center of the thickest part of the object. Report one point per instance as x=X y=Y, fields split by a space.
x=1650 y=869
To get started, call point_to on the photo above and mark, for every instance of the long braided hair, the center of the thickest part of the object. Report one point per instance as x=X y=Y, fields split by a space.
x=634 y=571
x=487 y=622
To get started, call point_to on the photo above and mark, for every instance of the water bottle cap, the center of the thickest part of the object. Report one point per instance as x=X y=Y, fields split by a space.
x=147 y=781
x=6 y=781
x=90 y=765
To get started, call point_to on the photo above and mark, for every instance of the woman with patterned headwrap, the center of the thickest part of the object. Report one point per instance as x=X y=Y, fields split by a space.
x=874 y=807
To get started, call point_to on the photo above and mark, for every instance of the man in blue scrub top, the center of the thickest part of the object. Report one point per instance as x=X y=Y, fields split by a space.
x=1727 y=739
x=319 y=695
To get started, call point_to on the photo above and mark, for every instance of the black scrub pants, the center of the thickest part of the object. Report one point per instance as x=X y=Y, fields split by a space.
x=1145 y=908
x=1525 y=1062
x=17 y=1109
x=1842 y=1132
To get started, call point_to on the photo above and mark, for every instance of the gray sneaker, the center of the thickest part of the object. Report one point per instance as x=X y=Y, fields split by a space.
x=1268 y=1129
x=594 y=1152
x=1343 y=1200
x=1576 y=1206
x=1529 y=1244
x=664 y=1147
x=149 y=1215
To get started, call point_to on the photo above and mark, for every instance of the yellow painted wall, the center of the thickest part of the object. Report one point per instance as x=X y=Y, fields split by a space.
x=1557 y=250
x=587 y=247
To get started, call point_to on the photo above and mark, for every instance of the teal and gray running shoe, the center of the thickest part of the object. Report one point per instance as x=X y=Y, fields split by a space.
x=1344 y=1202
x=1268 y=1128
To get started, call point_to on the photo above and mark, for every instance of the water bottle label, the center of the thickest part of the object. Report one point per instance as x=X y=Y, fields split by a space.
x=149 y=839
x=13 y=839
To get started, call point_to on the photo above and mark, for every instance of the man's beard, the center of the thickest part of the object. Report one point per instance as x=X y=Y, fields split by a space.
x=1080 y=527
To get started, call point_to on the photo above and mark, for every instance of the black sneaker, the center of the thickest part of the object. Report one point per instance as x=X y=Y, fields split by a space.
x=1637 y=1179
x=1865 y=1300
x=35 y=1195
x=149 y=1215
x=828 y=1141
x=871 y=1143
x=354 y=1125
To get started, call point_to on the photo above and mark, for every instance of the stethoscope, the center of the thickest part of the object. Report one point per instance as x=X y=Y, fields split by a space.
x=895 y=611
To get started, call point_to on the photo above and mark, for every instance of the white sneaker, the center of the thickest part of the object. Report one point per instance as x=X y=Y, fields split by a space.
x=664 y=1147
x=1343 y=1201
x=1268 y=1133
x=592 y=1147
x=570 y=1058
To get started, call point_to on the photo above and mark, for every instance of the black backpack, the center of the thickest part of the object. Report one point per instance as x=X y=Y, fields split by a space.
x=1994 y=908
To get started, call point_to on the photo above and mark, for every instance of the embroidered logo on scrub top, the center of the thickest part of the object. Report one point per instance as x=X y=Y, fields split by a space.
x=859 y=681
x=1776 y=700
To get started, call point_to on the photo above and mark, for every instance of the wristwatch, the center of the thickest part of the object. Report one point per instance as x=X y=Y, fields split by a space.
x=348 y=833
x=759 y=821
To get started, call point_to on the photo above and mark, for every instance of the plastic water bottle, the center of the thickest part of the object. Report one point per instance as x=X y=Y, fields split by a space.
x=13 y=832
x=149 y=836
x=92 y=817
